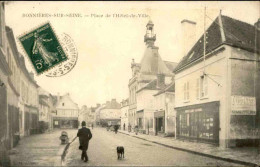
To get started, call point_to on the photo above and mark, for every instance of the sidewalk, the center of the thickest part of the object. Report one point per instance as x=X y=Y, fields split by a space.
x=40 y=149
x=246 y=155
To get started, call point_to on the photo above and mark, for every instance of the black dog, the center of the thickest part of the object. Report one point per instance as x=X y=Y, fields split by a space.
x=120 y=152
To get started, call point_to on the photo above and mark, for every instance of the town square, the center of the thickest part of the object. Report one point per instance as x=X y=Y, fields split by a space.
x=129 y=83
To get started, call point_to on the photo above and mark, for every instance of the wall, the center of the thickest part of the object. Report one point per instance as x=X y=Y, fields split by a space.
x=124 y=117
x=217 y=67
x=110 y=113
x=243 y=126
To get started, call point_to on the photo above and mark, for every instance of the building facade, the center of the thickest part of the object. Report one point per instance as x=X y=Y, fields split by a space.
x=28 y=102
x=110 y=113
x=67 y=112
x=46 y=109
x=148 y=78
x=215 y=96
x=5 y=73
x=97 y=114
x=165 y=114
x=124 y=114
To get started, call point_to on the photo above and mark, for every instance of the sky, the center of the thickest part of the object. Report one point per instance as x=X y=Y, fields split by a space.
x=106 y=46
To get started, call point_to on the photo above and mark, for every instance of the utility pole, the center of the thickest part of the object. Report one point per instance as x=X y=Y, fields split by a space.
x=204 y=46
x=257 y=78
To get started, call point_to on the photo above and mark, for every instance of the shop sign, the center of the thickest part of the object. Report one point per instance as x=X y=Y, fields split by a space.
x=243 y=105
x=193 y=110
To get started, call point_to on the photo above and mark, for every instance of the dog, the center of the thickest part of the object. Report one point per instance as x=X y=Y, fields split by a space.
x=120 y=152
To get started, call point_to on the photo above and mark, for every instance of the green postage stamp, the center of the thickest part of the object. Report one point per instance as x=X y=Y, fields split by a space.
x=43 y=48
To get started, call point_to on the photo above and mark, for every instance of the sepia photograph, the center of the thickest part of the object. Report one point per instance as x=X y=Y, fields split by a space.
x=129 y=83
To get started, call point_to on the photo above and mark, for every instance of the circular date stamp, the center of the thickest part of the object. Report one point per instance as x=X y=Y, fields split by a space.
x=70 y=50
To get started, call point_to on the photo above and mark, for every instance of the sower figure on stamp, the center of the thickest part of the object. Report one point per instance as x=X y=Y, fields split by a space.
x=84 y=135
x=38 y=46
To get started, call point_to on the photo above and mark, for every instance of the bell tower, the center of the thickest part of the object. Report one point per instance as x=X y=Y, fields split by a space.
x=149 y=37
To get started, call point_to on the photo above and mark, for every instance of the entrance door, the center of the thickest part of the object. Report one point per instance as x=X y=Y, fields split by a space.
x=156 y=126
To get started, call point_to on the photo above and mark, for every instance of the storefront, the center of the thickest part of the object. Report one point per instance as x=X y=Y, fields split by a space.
x=140 y=119
x=63 y=122
x=159 y=118
x=199 y=122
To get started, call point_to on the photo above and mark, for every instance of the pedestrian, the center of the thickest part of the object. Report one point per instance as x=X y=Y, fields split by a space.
x=84 y=135
x=136 y=129
x=92 y=126
x=124 y=126
x=116 y=128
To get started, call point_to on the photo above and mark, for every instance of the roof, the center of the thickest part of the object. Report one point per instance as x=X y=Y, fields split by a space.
x=152 y=62
x=150 y=86
x=43 y=102
x=171 y=65
x=243 y=36
x=169 y=88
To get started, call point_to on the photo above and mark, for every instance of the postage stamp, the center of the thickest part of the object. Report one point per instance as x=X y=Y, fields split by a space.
x=43 y=48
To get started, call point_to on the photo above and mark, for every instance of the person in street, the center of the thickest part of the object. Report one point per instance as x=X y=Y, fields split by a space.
x=129 y=128
x=116 y=128
x=84 y=135
x=92 y=126
x=124 y=126
x=136 y=129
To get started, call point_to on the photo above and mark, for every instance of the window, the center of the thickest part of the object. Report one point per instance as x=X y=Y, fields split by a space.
x=203 y=86
x=186 y=91
x=63 y=104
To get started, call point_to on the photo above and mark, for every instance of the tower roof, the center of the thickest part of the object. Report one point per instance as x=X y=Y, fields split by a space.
x=150 y=23
x=152 y=62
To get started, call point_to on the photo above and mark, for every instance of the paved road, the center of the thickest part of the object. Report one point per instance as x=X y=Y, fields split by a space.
x=102 y=152
x=40 y=149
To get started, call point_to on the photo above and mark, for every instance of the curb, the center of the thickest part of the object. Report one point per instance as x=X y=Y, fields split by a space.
x=198 y=153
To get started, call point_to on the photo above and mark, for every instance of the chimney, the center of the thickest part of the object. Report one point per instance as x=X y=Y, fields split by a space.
x=160 y=80
x=188 y=35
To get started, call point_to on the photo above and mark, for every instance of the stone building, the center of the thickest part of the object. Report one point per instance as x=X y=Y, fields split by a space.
x=148 y=78
x=67 y=112
x=28 y=102
x=97 y=114
x=110 y=113
x=215 y=99
x=124 y=114
x=46 y=109
x=88 y=115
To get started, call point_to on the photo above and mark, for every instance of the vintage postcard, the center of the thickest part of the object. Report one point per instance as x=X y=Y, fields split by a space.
x=129 y=83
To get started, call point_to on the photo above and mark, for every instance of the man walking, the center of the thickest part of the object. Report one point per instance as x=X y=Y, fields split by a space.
x=84 y=135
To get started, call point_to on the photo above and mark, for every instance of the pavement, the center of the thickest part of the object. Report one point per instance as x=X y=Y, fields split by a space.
x=102 y=152
x=248 y=156
x=40 y=149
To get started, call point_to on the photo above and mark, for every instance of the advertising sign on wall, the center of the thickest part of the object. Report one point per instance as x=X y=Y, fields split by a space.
x=243 y=105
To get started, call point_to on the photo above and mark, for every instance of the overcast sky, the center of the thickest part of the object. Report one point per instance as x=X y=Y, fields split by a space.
x=106 y=46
